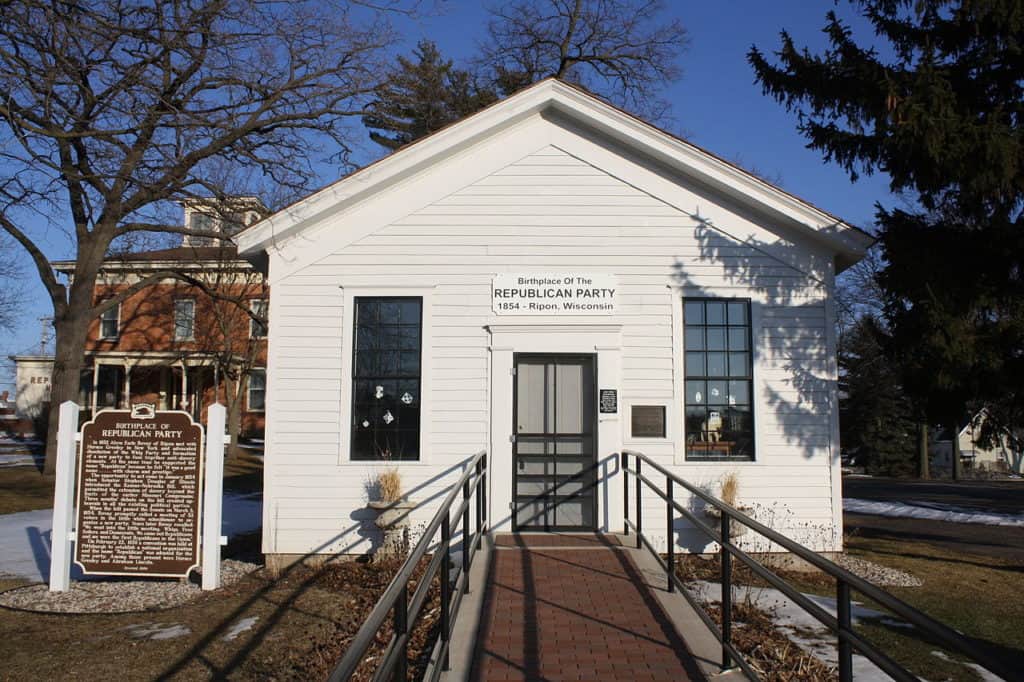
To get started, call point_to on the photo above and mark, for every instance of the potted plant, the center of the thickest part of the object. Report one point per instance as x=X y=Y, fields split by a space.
x=729 y=490
x=392 y=512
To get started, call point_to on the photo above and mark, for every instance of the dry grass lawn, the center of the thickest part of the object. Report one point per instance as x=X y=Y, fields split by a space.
x=976 y=595
x=304 y=621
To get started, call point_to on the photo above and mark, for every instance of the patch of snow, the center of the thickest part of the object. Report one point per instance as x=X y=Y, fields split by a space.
x=931 y=511
x=157 y=631
x=805 y=630
x=238 y=628
x=985 y=675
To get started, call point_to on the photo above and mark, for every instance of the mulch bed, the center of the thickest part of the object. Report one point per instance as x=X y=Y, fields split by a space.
x=769 y=652
x=363 y=584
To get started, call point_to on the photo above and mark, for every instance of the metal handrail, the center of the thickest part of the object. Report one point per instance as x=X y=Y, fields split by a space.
x=395 y=600
x=846 y=582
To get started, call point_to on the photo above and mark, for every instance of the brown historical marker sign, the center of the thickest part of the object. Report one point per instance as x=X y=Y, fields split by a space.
x=139 y=483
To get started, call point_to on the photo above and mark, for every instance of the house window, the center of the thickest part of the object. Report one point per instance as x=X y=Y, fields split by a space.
x=110 y=322
x=257 y=395
x=202 y=222
x=184 y=319
x=719 y=380
x=257 y=329
x=386 y=378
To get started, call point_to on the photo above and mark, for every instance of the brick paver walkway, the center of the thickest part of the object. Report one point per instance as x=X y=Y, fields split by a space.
x=578 y=610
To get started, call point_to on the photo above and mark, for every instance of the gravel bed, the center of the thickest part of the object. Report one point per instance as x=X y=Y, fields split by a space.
x=117 y=595
x=883 y=576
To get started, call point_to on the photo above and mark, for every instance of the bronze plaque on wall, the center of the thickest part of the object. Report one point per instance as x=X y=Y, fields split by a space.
x=647 y=421
x=139 y=491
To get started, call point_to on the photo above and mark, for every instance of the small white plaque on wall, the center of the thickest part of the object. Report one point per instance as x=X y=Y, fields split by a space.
x=564 y=293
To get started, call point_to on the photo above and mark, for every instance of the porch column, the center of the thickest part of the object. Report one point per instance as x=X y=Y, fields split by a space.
x=95 y=383
x=127 y=385
x=183 y=403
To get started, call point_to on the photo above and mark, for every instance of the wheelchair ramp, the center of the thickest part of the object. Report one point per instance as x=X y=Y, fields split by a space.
x=573 y=607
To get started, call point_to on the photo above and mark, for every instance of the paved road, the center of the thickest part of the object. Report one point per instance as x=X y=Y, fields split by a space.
x=1006 y=497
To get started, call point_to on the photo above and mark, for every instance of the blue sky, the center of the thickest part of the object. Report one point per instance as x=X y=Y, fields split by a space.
x=716 y=103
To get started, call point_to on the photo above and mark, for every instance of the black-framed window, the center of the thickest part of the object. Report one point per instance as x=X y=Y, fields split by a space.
x=257 y=329
x=257 y=391
x=184 y=319
x=719 y=380
x=110 y=322
x=386 y=377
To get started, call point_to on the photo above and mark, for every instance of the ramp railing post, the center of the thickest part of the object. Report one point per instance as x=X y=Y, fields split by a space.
x=670 y=533
x=639 y=511
x=726 y=559
x=465 y=537
x=401 y=625
x=446 y=586
x=63 y=498
x=843 y=615
x=625 y=494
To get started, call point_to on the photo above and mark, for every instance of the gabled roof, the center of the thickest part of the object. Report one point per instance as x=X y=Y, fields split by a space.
x=553 y=96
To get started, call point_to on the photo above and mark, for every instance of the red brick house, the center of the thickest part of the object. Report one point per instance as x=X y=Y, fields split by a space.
x=186 y=341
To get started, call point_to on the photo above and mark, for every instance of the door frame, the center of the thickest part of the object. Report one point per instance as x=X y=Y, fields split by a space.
x=591 y=524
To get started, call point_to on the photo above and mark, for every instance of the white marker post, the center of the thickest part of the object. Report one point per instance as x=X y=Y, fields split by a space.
x=64 y=498
x=213 y=494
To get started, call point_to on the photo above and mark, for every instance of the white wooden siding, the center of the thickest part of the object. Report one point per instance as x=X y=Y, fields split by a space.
x=549 y=211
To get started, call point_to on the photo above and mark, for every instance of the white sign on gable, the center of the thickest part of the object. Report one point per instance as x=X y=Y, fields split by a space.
x=553 y=294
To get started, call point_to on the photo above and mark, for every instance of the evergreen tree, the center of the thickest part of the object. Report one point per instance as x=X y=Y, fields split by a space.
x=942 y=116
x=421 y=95
x=876 y=418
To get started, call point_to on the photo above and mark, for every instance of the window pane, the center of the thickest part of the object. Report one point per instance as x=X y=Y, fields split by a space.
x=693 y=313
x=257 y=389
x=386 y=379
x=738 y=364
x=409 y=337
x=716 y=339
x=184 y=318
x=737 y=338
x=737 y=313
x=696 y=392
x=715 y=312
x=389 y=311
x=716 y=364
x=695 y=364
x=739 y=393
x=717 y=391
x=694 y=338
x=410 y=312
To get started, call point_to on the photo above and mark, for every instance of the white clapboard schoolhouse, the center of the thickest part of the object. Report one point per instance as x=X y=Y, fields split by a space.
x=552 y=280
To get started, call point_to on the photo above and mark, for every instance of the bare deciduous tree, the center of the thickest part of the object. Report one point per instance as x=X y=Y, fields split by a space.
x=621 y=49
x=110 y=109
x=10 y=288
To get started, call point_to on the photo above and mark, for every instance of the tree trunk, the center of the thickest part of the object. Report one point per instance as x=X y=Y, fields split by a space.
x=71 y=320
x=957 y=466
x=234 y=399
x=922 y=451
x=68 y=359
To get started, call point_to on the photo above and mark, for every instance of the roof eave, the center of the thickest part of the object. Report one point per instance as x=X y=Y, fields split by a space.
x=847 y=241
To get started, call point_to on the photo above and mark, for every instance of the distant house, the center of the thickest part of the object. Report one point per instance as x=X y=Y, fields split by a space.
x=24 y=414
x=998 y=458
x=551 y=280
x=172 y=343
